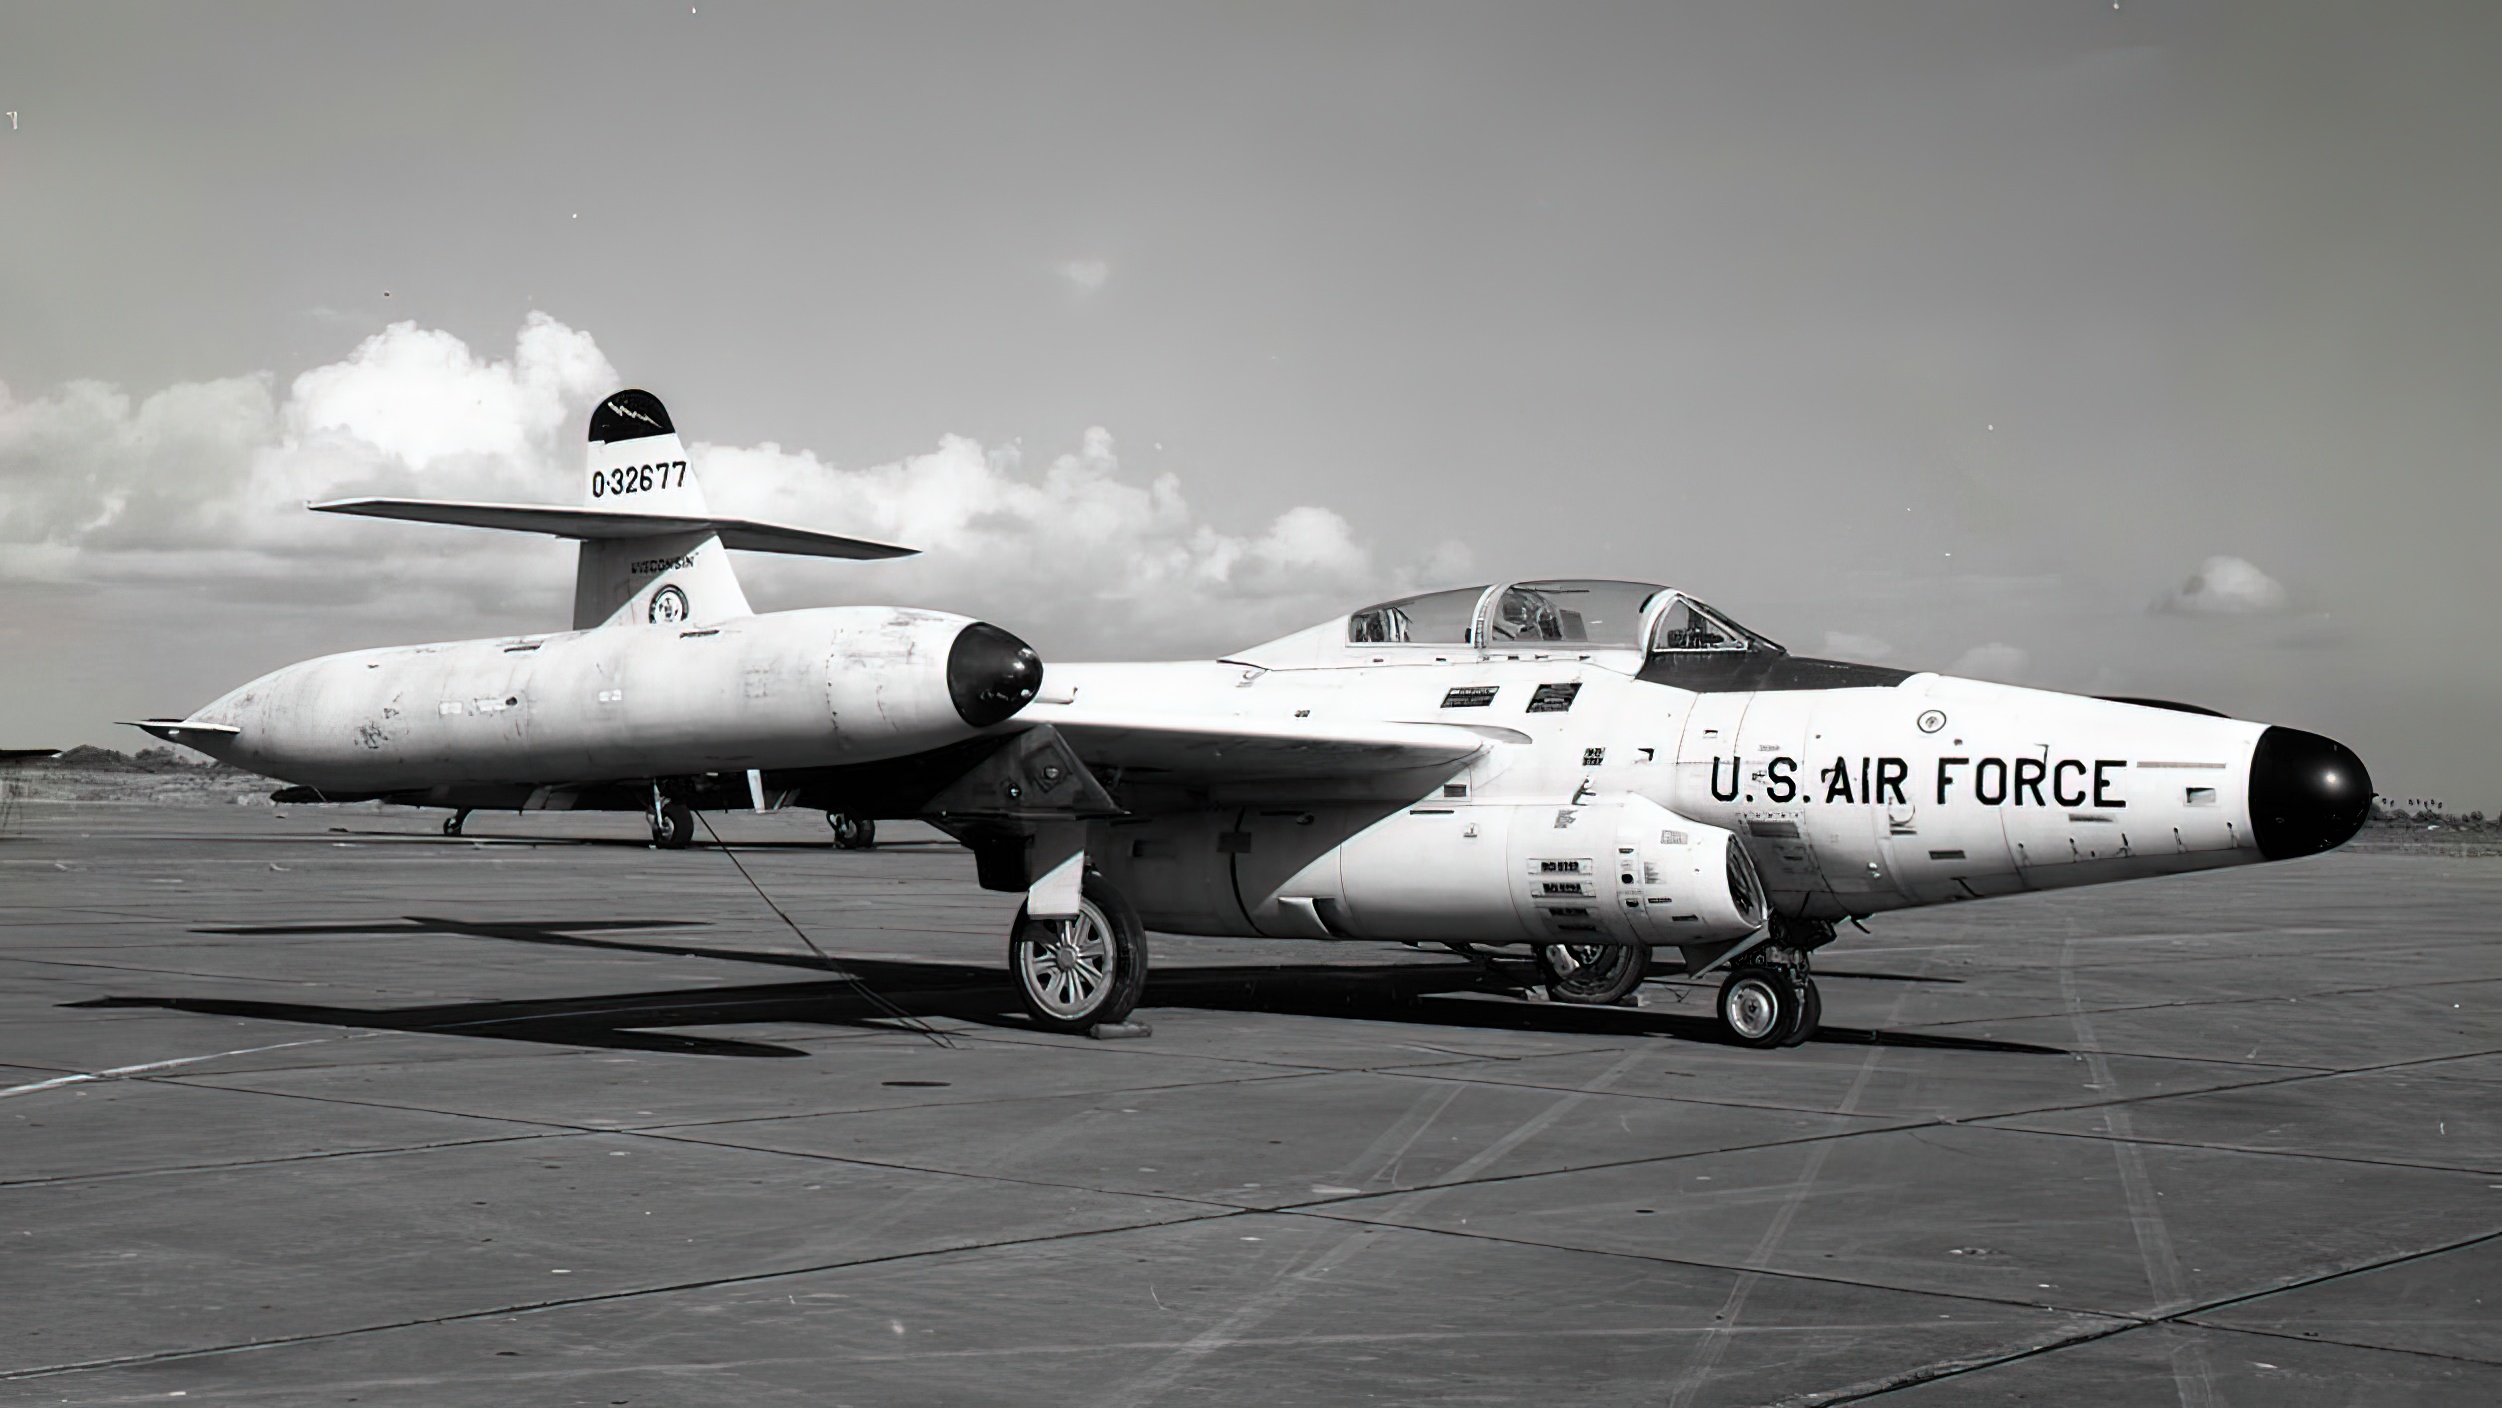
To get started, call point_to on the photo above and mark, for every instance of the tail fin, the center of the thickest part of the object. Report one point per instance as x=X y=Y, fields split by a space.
x=638 y=464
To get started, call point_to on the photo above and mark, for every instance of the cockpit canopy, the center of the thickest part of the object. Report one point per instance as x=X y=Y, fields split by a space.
x=1568 y=615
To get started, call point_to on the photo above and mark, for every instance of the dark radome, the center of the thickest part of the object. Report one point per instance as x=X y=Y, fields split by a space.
x=2307 y=793
x=991 y=674
x=629 y=415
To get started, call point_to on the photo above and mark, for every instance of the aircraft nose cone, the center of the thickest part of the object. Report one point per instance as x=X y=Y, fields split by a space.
x=2307 y=793
x=991 y=674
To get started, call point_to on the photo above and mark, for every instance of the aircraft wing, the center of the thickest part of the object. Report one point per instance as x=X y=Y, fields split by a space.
x=602 y=523
x=1198 y=748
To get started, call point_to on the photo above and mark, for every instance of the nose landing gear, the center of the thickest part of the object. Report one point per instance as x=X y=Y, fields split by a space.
x=1770 y=1000
x=851 y=832
x=673 y=826
x=453 y=823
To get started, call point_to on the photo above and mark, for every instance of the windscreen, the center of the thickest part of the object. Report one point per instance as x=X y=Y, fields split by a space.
x=1689 y=626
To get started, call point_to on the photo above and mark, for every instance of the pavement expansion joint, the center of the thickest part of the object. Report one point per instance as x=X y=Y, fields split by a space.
x=1954 y=1368
x=2290 y=1337
x=1734 y=1268
x=938 y=1171
x=2148 y=1141
x=275 y=1160
x=604 y=1297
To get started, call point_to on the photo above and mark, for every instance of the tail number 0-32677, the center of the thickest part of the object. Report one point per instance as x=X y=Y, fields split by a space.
x=634 y=479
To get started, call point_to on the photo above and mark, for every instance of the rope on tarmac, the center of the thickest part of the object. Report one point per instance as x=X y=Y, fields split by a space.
x=875 y=1000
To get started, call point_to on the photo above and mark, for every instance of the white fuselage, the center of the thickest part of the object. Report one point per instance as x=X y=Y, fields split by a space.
x=1850 y=800
x=794 y=689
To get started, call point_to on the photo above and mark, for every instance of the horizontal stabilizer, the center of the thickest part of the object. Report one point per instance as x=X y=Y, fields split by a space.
x=608 y=524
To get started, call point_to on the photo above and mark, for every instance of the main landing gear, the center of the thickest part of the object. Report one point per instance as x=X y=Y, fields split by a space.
x=453 y=823
x=1077 y=974
x=852 y=833
x=1595 y=975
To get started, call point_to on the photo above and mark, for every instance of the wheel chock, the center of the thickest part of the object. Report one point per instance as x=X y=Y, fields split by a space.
x=1119 y=1031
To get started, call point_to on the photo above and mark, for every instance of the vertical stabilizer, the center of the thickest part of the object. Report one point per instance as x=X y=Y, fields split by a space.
x=637 y=463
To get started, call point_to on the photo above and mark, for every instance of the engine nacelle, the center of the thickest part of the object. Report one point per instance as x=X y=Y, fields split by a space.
x=1622 y=871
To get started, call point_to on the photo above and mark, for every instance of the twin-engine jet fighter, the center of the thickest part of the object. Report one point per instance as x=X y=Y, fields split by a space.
x=668 y=694
x=1596 y=770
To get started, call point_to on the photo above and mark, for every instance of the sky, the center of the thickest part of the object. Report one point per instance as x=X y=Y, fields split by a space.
x=2149 y=349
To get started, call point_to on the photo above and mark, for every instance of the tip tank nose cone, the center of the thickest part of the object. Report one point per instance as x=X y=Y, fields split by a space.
x=991 y=674
x=2307 y=793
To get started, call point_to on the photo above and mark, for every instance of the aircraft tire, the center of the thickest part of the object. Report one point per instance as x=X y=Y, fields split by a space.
x=1075 y=975
x=1758 y=1006
x=453 y=823
x=852 y=833
x=1810 y=1012
x=1602 y=974
x=673 y=827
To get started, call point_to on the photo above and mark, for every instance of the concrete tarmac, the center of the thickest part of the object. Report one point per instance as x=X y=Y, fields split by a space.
x=317 y=1106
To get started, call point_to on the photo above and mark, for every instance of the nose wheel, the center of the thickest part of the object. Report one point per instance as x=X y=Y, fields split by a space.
x=852 y=833
x=453 y=823
x=1764 y=1005
x=673 y=826
x=1076 y=974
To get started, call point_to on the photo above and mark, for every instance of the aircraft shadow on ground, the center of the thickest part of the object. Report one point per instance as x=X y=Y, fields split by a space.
x=623 y=843
x=867 y=992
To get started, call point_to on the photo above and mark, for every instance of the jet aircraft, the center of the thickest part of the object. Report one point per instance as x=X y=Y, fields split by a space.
x=668 y=694
x=1597 y=770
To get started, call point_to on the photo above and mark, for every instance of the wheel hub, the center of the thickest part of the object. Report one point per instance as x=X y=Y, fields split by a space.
x=1069 y=972
x=1753 y=1009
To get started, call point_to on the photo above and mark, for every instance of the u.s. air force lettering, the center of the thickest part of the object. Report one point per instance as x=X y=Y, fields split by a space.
x=1880 y=781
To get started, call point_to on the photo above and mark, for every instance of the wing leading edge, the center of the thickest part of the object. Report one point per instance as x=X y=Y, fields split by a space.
x=1198 y=749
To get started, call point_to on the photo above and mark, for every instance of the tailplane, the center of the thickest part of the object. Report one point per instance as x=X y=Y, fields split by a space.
x=653 y=552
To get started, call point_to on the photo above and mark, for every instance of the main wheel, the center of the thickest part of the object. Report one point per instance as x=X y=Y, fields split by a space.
x=852 y=833
x=1758 y=1007
x=453 y=823
x=1075 y=974
x=1811 y=1011
x=673 y=827
x=1596 y=975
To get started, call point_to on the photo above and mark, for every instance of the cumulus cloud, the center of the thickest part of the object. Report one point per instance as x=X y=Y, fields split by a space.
x=203 y=483
x=1086 y=275
x=2006 y=664
x=199 y=488
x=1076 y=548
x=2224 y=586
